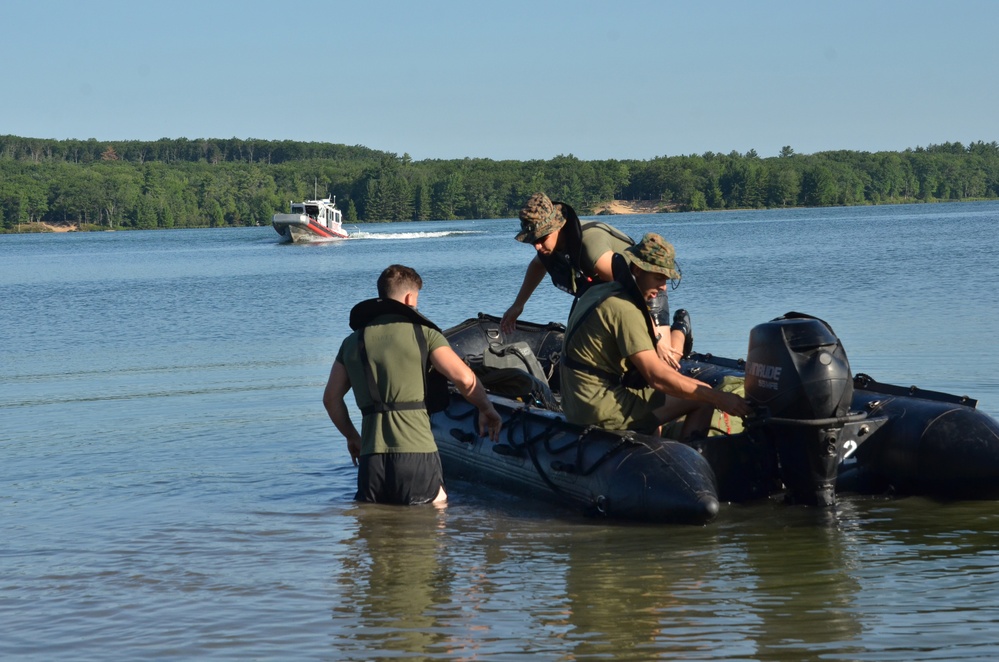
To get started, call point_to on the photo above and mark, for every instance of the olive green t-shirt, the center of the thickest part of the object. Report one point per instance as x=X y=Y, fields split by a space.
x=615 y=330
x=597 y=239
x=394 y=356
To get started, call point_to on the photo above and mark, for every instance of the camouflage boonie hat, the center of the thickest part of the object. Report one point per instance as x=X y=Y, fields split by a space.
x=539 y=217
x=653 y=253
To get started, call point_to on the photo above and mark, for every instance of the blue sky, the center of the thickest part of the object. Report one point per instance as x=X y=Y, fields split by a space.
x=622 y=79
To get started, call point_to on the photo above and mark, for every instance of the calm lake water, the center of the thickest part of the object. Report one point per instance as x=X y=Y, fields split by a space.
x=172 y=488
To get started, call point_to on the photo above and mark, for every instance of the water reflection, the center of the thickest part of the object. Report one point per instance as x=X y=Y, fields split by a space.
x=794 y=584
x=451 y=583
x=393 y=573
x=494 y=575
x=713 y=593
x=766 y=583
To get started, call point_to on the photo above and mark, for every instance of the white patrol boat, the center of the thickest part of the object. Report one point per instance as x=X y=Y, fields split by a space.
x=310 y=221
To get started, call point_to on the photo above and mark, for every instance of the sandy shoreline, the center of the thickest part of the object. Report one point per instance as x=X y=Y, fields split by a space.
x=40 y=226
x=634 y=207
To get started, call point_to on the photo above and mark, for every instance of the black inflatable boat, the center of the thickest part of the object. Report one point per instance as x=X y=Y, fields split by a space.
x=819 y=430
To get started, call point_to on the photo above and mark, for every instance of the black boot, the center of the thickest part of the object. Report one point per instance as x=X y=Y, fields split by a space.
x=681 y=322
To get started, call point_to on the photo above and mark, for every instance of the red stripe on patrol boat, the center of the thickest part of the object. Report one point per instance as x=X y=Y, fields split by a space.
x=320 y=230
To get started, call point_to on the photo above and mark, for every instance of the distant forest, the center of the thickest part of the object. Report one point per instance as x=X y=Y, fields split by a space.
x=174 y=183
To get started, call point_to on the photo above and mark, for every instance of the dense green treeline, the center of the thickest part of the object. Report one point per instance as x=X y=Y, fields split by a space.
x=211 y=183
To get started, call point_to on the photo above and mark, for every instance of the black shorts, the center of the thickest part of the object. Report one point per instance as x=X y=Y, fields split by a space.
x=399 y=478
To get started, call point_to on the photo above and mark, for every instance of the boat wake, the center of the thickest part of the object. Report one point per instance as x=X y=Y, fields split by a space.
x=411 y=235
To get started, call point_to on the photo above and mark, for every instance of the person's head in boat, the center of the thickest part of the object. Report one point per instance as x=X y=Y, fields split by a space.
x=400 y=283
x=653 y=264
x=540 y=222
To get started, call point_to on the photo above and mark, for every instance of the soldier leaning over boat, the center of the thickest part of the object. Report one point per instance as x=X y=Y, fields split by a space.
x=578 y=255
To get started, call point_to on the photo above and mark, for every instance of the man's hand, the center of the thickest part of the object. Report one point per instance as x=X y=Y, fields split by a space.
x=509 y=322
x=490 y=423
x=733 y=404
x=354 y=448
x=667 y=353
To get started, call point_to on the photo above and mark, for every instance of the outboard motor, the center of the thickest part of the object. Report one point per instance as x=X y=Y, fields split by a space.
x=797 y=369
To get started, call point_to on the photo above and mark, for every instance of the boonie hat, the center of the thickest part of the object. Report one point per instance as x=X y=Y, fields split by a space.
x=539 y=217
x=653 y=253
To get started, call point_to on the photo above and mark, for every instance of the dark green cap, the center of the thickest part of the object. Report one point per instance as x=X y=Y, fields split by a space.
x=653 y=253
x=538 y=218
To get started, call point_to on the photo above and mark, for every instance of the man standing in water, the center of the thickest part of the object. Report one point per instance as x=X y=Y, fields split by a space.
x=578 y=255
x=386 y=362
x=611 y=376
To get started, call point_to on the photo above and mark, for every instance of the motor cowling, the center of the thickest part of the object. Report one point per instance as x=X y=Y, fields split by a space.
x=797 y=369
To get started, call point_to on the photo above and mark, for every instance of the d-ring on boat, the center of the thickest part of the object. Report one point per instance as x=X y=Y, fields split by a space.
x=820 y=430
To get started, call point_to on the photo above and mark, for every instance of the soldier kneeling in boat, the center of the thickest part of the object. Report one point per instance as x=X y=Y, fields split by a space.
x=611 y=375
x=386 y=361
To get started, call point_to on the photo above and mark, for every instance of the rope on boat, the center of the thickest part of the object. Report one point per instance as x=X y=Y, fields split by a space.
x=527 y=443
x=578 y=443
x=766 y=419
